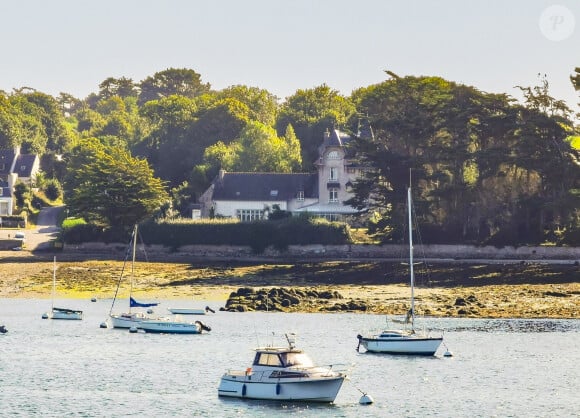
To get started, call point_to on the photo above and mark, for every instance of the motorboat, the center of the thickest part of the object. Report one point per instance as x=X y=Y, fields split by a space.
x=283 y=374
x=169 y=326
x=190 y=311
x=404 y=341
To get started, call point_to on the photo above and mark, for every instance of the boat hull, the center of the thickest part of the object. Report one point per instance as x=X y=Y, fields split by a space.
x=186 y=311
x=65 y=314
x=407 y=346
x=305 y=390
x=167 y=327
x=126 y=321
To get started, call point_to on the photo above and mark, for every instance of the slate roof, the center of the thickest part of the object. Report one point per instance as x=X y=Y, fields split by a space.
x=6 y=158
x=265 y=186
x=24 y=165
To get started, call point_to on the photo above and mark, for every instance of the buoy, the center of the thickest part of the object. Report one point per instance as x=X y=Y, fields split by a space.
x=149 y=311
x=366 y=399
x=103 y=325
x=448 y=354
x=93 y=299
x=45 y=316
x=133 y=330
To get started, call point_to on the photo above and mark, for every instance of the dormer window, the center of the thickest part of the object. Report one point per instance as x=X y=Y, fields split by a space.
x=273 y=193
x=333 y=155
x=22 y=168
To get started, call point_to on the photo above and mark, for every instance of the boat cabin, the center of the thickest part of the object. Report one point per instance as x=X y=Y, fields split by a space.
x=282 y=357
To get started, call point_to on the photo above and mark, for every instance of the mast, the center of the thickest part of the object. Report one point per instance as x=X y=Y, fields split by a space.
x=133 y=264
x=53 y=282
x=411 y=258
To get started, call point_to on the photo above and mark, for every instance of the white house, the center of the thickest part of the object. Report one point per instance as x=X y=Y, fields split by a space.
x=251 y=196
x=14 y=167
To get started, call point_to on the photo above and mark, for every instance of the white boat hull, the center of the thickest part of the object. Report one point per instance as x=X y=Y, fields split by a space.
x=66 y=315
x=170 y=327
x=307 y=390
x=426 y=346
x=186 y=311
x=126 y=321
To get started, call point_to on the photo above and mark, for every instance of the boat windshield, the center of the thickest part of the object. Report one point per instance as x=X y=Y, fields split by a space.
x=296 y=359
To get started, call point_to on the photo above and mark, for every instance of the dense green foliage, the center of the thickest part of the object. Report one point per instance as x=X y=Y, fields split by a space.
x=486 y=169
x=258 y=235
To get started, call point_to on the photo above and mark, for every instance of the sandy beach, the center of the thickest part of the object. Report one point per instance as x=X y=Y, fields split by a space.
x=519 y=290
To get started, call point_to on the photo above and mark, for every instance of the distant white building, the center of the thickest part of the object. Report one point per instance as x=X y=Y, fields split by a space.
x=14 y=167
x=252 y=196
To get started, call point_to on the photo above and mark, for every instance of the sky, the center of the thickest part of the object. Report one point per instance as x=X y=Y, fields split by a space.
x=72 y=46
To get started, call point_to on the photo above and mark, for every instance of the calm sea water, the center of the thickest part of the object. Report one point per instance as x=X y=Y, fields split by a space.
x=501 y=368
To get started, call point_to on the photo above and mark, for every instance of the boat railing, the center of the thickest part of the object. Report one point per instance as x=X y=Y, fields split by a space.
x=307 y=372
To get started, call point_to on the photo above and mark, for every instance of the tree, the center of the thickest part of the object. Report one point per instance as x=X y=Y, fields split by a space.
x=262 y=105
x=106 y=185
x=173 y=81
x=121 y=87
x=311 y=112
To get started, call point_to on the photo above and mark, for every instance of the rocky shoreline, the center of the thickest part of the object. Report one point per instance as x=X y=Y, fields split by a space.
x=477 y=290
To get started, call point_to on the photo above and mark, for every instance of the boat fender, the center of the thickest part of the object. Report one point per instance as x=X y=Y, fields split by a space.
x=244 y=389
x=278 y=388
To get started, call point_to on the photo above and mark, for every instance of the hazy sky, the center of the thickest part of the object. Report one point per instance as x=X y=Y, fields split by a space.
x=283 y=45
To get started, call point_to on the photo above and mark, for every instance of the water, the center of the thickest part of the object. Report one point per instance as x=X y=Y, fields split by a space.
x=502 y=368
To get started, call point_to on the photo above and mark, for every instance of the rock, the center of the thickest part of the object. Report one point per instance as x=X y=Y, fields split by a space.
x=460 y=302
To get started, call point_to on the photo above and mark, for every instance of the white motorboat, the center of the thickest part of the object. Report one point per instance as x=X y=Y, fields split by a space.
x=190 y=311
x=130 y=319
x=284 y=374
x=169 y=326
x=404 y=341
x=60 y=313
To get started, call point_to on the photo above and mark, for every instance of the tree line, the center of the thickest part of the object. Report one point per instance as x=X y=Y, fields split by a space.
x=486 y=168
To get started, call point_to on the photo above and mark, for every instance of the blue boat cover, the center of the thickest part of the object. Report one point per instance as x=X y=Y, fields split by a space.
x=134 y=304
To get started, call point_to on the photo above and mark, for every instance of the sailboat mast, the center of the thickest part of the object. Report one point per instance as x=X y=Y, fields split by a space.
x=133 y=263
x=411 y=257
x=53 y=282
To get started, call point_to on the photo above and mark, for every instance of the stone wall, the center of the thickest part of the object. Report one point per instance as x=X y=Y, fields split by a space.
x=397 y=252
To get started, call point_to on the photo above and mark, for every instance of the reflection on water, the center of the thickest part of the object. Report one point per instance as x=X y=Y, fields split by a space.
x=500 y=367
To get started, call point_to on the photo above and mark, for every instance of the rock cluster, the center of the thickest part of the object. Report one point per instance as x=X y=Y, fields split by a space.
x=288 y=299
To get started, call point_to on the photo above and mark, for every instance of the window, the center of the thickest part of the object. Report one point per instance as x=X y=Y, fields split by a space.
x=273 y=193
x=333 y=155
x=333 y=173
x=267 y=359
x=22 y=168
x=247 y=215
x=300 y=195
x=333 y=195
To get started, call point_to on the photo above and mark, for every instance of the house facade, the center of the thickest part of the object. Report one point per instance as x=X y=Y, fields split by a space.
x=15 y=167
x=252 y=196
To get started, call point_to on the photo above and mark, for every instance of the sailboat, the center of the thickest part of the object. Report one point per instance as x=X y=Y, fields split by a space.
x=404 y=341
x=60 y=313
x=130 y=319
